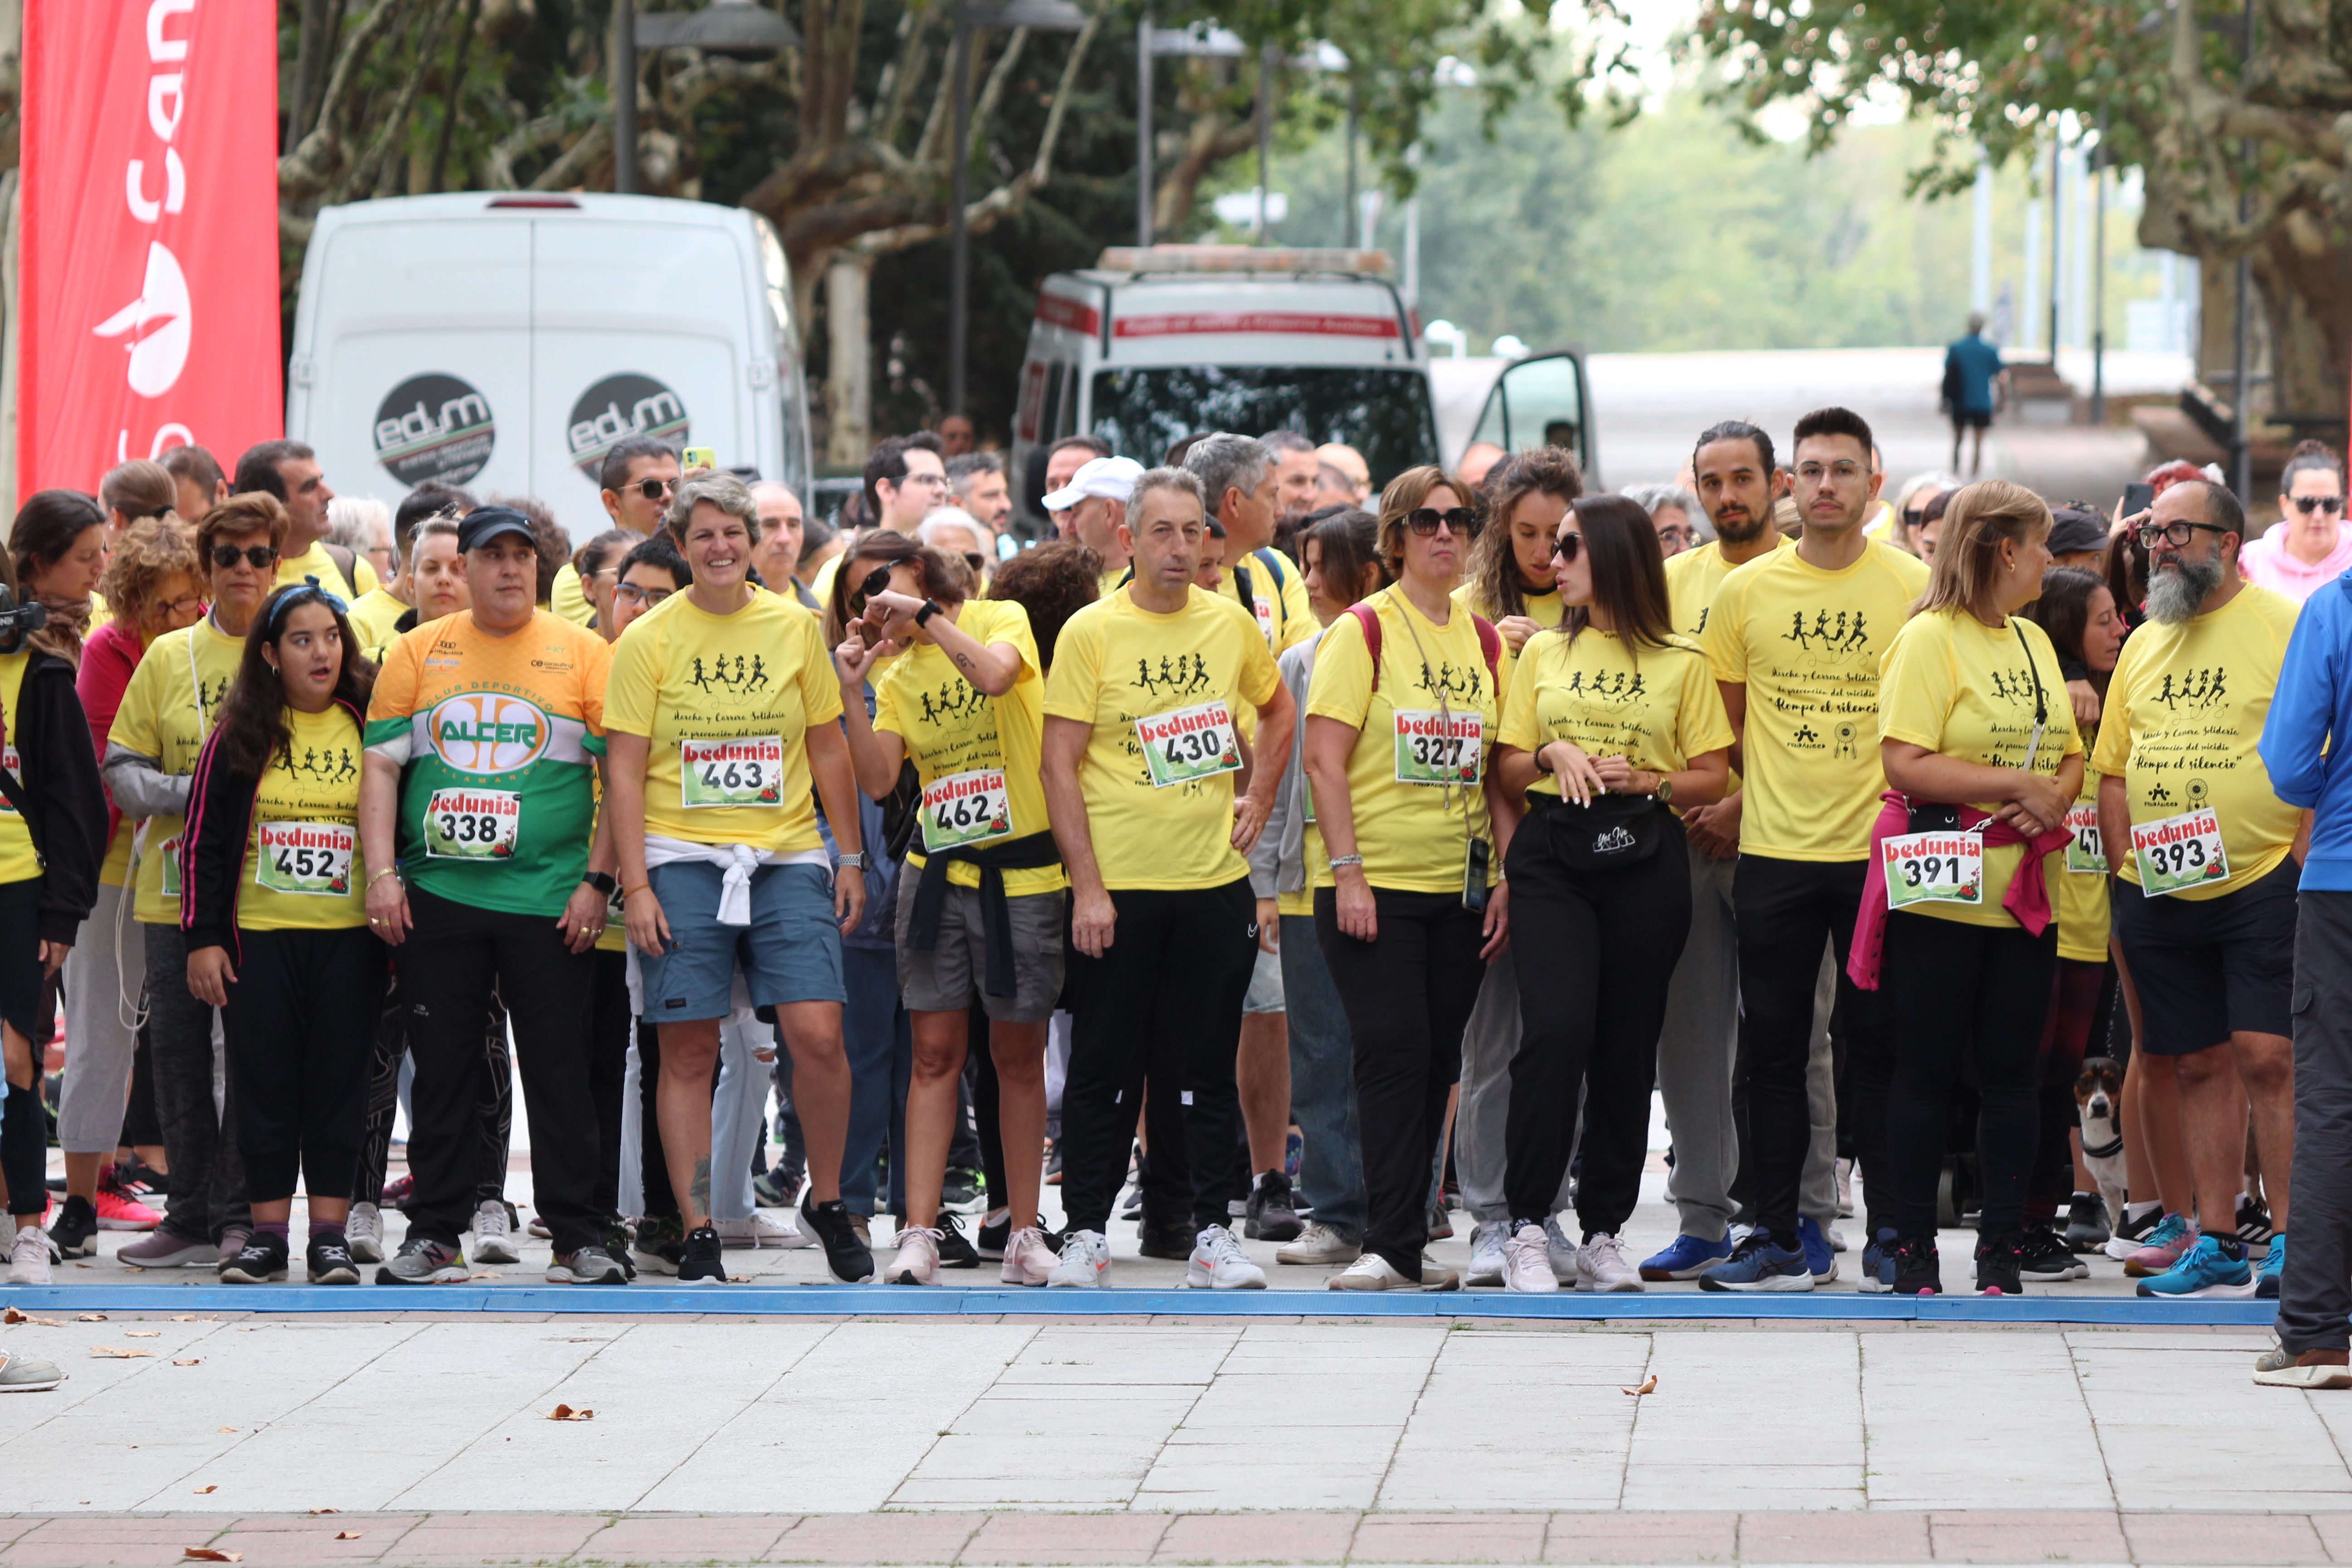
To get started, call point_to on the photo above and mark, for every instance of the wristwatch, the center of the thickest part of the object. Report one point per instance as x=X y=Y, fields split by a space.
x=924 y=615
x=1666 y=789
x=603 y=882
x=854 y=859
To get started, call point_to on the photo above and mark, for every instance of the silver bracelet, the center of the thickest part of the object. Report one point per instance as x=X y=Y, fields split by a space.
x=1335 y=861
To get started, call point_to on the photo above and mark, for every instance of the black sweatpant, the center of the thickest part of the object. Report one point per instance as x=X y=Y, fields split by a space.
x=2077 y=992
x=1165 y=998
x=1608 y=942
x=205 y=1184
x=1786 y=910
x=494 y=1121
x=610 y=1024
x=449 y=965
x=299 y=1025
x=142 y=1128
x=1408 y=995
x=2315 y=1294
x=1964 y=993
x=27 y=1000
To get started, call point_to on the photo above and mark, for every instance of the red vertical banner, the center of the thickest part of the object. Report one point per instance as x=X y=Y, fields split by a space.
x=148 y=245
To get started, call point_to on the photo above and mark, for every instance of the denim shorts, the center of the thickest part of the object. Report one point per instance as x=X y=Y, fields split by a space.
x=789 y=953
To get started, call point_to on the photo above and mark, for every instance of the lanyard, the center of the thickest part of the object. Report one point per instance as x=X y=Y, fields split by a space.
x=2040 y=702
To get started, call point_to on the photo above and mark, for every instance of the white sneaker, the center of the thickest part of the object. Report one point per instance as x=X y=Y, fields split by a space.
x=1600 y=1266
x=1837 y=1238
x=1526 y=1260
x=762 y=1229
x=1373 y=1272
x=364 y=1232
x=918 y=1262
x=493 y=1234
x=1027 y=1260
x=1318 y=1244
x=1085 y=1260
x=1487 y=1240
x=28 y=1261
x=1218 y=1263
x=1560 y=1247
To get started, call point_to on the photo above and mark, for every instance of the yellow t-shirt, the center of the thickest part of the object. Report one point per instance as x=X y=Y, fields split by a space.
x=101 y=611
x=725 y=703
x=19 y=862
x=951 y=730
x=1692 y=579
x=371 y=616
x=1124 y=671
x=2082 y=896
x=1656 y=707
x=1963 y=690
x=303 y=869
x=820 y=584
x=1281 y=610
x=567 y=598
x=1544 y=609
x=1413 y=835
x=1807 y=644
x=2185 y=708
x=167 y=712
x=316 y=562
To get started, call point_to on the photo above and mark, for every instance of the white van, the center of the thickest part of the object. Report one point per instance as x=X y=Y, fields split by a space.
x=505 y=341
x=1156 y=343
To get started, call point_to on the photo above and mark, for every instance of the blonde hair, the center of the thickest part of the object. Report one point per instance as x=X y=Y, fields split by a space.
x=1976 y=520
x=139 y=489
x=150 y=553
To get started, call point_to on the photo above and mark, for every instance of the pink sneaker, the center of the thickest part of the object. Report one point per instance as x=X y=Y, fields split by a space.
x=1027 y=1260
x=2173 y=1235
x=918 y=1262
x=118 y=1209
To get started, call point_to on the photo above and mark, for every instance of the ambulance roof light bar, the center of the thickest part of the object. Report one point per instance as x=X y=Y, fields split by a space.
x=1242 y=259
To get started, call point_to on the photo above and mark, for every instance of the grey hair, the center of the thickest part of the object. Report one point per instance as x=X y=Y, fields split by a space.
x=1285 y=441
x=971 y=465
x=725 y=491
x=952 y=517
x=351 y=522
x=1225 y=461
x=1184 y=479
x=1652 y=497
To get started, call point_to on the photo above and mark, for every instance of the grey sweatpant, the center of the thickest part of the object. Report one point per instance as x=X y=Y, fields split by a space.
x=1696 y=1052
x=98 y=992
x=2315 y=1294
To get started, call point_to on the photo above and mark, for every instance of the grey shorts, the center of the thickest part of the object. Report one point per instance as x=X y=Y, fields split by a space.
x=948 y=978
x=1266 y=985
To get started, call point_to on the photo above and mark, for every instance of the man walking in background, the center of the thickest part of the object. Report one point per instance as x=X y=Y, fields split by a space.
x=1973 y=373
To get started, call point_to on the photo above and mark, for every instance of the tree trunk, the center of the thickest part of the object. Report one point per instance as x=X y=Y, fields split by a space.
x=2303 y=276
x=849 y=376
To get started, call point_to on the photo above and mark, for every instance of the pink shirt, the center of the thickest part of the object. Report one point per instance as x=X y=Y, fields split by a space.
x=2266 y=564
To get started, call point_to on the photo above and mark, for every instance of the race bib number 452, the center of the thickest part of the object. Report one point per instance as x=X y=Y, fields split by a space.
x=746 y=772
x=2176 y=852
x=1932 y=867
x=2088 y=852
x=313 y=859
x=1431 y=750
x=1189 y=743
x=966 y=808
x=471 y=824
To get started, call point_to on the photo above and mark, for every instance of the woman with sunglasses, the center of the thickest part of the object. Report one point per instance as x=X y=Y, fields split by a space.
x=1610 y=719
x=1401 y=713
x=2310 y=547
x=167 y=715
x=1509 y=579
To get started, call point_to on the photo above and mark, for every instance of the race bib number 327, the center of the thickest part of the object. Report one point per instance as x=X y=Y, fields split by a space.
x=1189 y=743
x=1431 y=750
x=2176 y=852
x=308 y=858
x=745 y=771
x=1932 y=867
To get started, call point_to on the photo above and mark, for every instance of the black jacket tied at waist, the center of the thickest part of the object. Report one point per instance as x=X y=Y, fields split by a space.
x=1030 y=852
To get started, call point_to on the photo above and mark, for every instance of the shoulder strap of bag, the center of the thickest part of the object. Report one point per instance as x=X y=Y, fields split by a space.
x=1490 y=643
x=1370 y=619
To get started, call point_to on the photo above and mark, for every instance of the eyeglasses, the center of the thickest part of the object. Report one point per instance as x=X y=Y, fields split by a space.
x=186 y=605
x=936 y=481
x=644 y=598
x=1682 y=536
x=1423 y=520
x=1567 y=546
x=2176 y=534
x=2309 y=504
x=657 y=490
x=261 y=557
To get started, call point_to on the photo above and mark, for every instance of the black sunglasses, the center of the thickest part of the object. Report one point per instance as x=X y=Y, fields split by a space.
x=1423 y=520
x=654 y=490
x=259 y=556
x=1567 y=546
x=2309 y=504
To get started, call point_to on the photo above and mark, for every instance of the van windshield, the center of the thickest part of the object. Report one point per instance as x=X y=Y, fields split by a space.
x=1381 y=412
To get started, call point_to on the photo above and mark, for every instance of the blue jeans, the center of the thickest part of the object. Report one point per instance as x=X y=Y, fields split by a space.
x=1322 y=1084
x=878 y=1034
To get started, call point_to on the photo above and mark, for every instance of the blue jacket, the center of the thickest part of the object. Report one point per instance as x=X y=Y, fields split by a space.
x=1970 y=366
x=2314 y=701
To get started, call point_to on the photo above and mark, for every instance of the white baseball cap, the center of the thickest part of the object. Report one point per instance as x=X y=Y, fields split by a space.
x=1113 y=478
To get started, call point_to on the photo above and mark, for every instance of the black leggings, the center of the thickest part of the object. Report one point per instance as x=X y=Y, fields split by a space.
x=496 y=1117
x=1606 y=944
x=1408 y=995
x=609 y=1026
x=2076 y=993
x=298 y=1026
x=1958 y=993
x=27 y=1000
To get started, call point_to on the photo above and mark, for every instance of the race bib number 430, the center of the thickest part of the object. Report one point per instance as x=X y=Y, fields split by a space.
x=471 y=824
x=1932 y=869
x=966 y=808
x=1189 y=743
x=746 y=772
x=1430 y=750
x=308 y=858
x=2088 y=852
x=2176 y=852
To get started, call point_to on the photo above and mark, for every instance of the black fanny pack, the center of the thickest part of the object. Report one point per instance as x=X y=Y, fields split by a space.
x=1935 y=817
x=1615 y=830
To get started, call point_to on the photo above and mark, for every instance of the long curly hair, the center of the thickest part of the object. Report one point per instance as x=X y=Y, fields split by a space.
x=150 y=554
x=1497 y=589
x=253 y=728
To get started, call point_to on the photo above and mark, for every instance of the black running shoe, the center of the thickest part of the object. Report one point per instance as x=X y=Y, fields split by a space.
x=2042 y=1255
x=1271 y=1214
x=2255 y=1228
x=617 y=1241
x=259 y=1262
x=329 y=1262
x=2087 y=1228
x=1169 y=1241
x=74 y=1229
x=2000 y=1265
x=955 y=1248
x=699 y=1262
x=141 y=1178
x=848 y=1257
x=659 y=1244
x=1918 y=1270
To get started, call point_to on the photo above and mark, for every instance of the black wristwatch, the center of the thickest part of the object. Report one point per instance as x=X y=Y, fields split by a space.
x=924 y=615
x=603 y=882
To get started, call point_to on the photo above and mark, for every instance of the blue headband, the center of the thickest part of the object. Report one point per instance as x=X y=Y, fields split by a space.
x=308 y=592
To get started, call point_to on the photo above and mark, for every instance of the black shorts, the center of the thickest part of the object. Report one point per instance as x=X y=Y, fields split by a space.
x=1971 y=419
x=2208 y=969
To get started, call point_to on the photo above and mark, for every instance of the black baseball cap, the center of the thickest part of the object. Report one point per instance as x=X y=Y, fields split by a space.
x=2075 y=528
x=488 y=522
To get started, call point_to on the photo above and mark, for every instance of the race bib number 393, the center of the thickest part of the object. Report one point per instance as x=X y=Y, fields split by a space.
x=1932 y=869
x=966 y=808
x=2176 y=852
x=471 y=824
x=1189 y=743
x=746 y=772
x=1431 y=750
x=2088 y=852
x=313 y=859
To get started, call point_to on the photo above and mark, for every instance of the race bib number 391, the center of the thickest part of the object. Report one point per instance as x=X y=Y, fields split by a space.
x=2176 y=852
x=1431 y=751
x=966 y=808
x=313 y=859
x=471 y=824
x=746 y=772
x=1932 y=869
x=1189 y=743
x=2088 y=852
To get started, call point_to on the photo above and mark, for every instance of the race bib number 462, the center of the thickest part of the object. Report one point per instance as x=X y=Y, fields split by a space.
x=1189 y=743
x=313 y=859
x=966 y=808
x=2088 y=852
x=471 y=824
x=1932 y=867
x=1431 y=750
x=746 y=772
x=2176 y=852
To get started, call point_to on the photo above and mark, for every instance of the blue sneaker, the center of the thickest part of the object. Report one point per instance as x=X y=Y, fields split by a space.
x=1756 y=1264
x=1686 y=1259
x=2273 y=1264
x=2203 y=1270
x=1879 y=1263
x=1821 y=1257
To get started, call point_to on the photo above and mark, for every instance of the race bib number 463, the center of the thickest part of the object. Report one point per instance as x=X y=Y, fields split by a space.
x=307 y=857
x=966 y=808
x=1189 y=743
x=746 y=772
x=2176 y=852
x=1932 y=869
x=1431 y=751
x=2088 y=852
x=471 y=824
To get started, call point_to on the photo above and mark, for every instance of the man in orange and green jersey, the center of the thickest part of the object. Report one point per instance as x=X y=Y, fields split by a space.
x=482 y=739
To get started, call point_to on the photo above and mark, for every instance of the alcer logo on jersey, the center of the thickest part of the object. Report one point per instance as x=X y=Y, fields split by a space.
x=489 y=732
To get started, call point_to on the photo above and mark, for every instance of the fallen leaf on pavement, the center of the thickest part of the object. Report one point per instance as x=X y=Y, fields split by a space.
x=107 y=1352
x=1649 y=1385
x=13 y=1316
x=565 y=1412
x=473 y=1277
x=92 y=1317
x=206 y=1555
x=202 y=1490
x=143 y=1333
x=326 y=1510
x=228 y=1429
x=349 y=1534
x=191 y=1361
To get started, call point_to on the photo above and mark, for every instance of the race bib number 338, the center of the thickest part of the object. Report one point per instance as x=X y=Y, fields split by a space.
x=313 y=859
x=2176 y=852
x=471 y=824
x=1432 y=749
x=1189 y=743
x=745 y=771
x=1932 y=867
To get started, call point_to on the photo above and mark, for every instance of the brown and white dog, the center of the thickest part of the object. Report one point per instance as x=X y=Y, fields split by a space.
x=2098 y=1104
